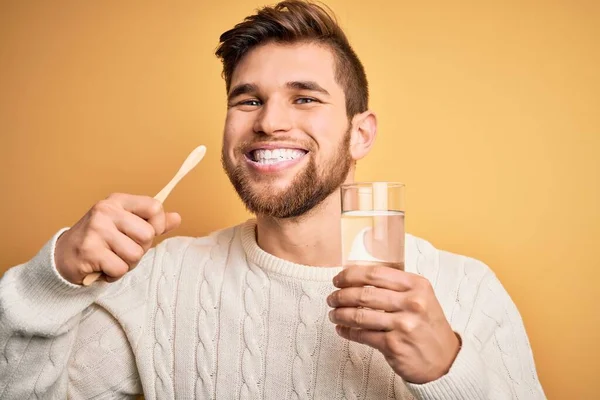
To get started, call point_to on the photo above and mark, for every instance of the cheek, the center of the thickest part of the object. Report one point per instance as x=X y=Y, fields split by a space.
x=316 y=122
x=234 y=131
x=327 y=129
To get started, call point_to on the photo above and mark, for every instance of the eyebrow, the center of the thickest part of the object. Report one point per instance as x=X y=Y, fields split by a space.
x=307 y=85
x=249 y=88
x=244 y=88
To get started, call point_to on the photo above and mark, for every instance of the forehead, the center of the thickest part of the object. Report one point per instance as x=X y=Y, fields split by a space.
x=275 y=64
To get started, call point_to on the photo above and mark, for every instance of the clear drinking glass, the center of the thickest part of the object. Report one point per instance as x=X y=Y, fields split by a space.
x=373 y=224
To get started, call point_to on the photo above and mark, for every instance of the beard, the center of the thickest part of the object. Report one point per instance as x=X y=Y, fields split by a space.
x=307 y=190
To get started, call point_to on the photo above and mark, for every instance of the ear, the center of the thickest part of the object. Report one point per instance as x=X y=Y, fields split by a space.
x=363 y=133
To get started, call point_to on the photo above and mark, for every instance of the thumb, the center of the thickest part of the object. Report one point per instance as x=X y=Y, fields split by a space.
x=173 y=220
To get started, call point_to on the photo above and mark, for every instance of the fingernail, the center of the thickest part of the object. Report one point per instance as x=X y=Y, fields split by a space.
x=330 y=301
x=331 y=315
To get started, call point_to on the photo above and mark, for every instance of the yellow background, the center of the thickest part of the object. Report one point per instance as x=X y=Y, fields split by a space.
x=488 y=112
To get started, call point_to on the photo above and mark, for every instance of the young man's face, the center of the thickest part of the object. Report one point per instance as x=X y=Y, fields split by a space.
x=287 y=134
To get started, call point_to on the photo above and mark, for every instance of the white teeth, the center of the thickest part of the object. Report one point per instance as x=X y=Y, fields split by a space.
x=275 y=155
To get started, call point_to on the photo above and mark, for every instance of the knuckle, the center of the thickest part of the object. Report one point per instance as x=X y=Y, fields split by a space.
x=158 y=225
x=114 y=197
x=359 y=317
x=375 y=273
x=422 y=283
x=101 y=207
x=155 y=206
x=136 y=254
x=409 y=325
x=86 y=248
x=132 y=255
x=119 y=270
x=97 y=222
x=147 y=234
x=90 y=241
x=366 y=295
x=98 y=208
x=416 y=304
x=396 y=301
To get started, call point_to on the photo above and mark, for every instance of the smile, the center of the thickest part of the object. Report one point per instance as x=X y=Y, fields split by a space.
x=267 y=158
x=274 y=156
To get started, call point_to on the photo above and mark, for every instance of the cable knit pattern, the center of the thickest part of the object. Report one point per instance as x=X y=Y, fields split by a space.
x=164 y=329
x=208 y=300
x=355 y=370
x=57 y=360
x=12 y=351
x=218 y=317
x=307 y=345
x=254 y=332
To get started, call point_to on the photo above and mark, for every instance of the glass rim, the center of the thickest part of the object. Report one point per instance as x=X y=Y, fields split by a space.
x=393 y=184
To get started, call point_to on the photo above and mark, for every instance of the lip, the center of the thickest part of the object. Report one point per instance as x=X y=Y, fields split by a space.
x=274 y=145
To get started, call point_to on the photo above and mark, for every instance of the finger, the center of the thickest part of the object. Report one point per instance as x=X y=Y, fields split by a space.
x=374 y=339
x=134 y=227
x=112 y=266
x=124 y=247
x=368 y=296
x=377 y=275
x=173 y=221
x=143 y=206
x=158 y=222
x=362 y=318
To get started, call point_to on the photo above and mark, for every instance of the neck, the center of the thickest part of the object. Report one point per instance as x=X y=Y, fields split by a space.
x=311 y=239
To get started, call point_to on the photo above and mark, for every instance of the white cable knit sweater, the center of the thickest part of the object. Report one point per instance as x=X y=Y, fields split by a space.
x=219 y=318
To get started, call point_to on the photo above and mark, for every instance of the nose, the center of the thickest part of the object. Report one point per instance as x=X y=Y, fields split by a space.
x=273 y=118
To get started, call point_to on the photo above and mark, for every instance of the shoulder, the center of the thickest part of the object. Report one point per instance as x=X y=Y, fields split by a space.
x=168 y=257
x=460 y=281
x=428 y=260
x=214 y=243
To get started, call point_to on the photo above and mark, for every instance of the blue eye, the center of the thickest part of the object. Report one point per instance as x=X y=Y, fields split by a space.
x=305 y=100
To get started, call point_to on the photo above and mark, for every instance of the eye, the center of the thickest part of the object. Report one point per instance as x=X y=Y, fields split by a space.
x=306 y=100
x=250 y=102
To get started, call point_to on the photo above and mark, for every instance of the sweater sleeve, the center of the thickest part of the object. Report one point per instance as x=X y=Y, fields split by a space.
x=40 y=321
x=495 y=361
x=102 y=363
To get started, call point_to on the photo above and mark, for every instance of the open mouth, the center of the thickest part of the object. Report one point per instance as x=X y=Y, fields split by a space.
x=274 y=156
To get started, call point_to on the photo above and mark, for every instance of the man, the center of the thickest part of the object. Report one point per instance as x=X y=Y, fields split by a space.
x=262 y=310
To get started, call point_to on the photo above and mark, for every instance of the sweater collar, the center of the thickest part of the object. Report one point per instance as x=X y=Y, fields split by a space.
x=270 y=263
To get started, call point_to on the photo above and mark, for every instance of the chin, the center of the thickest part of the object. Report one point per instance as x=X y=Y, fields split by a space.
x=270 y=185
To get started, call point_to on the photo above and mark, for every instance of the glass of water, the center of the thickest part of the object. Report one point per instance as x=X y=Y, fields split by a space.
x=373 y=224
